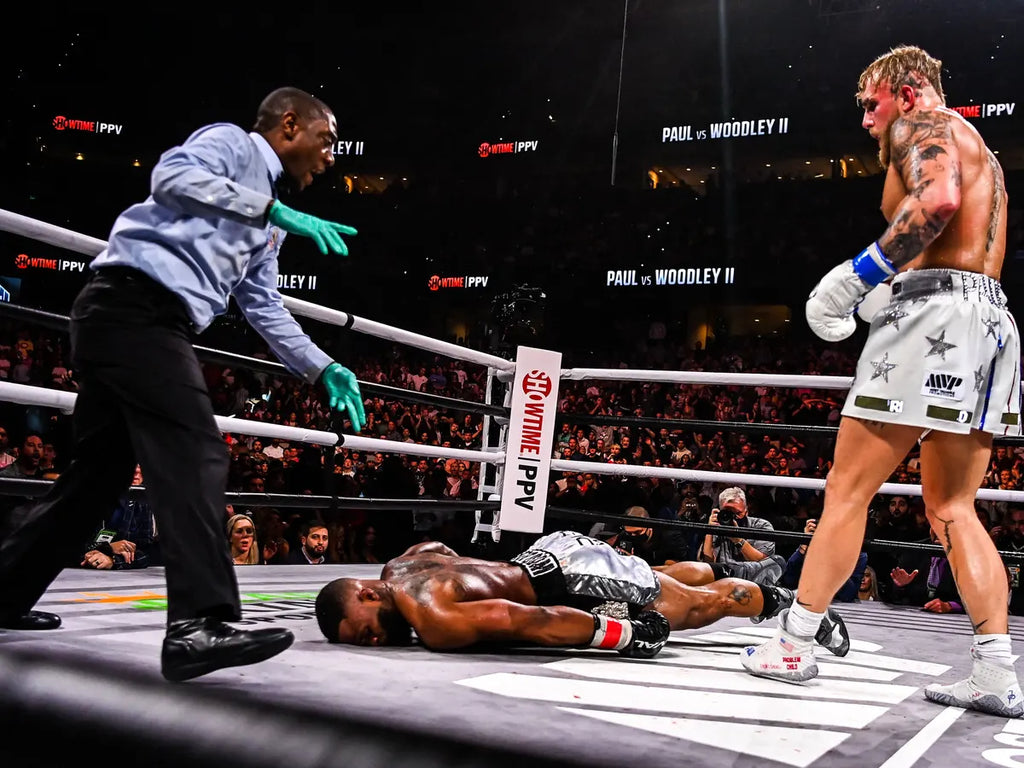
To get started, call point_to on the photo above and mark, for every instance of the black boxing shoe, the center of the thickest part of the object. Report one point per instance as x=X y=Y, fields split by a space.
x=833 y=634
x=784 y=599
x=30 y=620
x=194 y=647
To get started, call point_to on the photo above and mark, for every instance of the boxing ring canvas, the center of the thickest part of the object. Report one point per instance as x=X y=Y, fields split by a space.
x=692 y=705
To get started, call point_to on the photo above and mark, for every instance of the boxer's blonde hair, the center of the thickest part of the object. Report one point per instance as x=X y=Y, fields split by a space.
x=897 y=68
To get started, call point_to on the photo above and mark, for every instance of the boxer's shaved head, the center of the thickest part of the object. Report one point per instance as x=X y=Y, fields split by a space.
x=330 y=606
x=360 y=613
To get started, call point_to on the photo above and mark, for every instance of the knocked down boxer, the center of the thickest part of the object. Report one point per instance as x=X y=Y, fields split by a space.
x=566 y=590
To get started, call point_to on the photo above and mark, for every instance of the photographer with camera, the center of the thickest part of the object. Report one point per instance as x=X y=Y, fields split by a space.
x=847 y=593
x=744 y=558
x=638 y=540
x=684 y=544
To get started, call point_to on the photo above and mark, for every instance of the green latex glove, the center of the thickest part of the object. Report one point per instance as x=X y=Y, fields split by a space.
x=326 y=234
x=343 y=393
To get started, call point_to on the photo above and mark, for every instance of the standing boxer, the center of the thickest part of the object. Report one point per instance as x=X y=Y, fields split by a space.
x=941 y=364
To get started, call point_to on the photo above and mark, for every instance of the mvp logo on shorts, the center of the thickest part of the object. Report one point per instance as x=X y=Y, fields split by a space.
x=945 y=385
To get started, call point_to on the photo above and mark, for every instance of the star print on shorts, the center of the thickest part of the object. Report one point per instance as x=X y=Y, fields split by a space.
x=893 y=316
x=990 y=328
x=979 y=378
x=939 y=346
x=882 y=368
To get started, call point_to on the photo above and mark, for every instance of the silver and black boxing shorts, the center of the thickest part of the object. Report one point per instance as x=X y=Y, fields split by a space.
x=568 y=568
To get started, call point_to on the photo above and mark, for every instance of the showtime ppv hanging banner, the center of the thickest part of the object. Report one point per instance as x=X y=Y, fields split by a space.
x=531 y=432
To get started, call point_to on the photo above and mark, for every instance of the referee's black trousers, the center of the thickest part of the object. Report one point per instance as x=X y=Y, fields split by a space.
x=142 y=399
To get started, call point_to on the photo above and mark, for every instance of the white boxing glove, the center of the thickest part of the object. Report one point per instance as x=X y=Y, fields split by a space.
x=831 y=305
x=875 y=302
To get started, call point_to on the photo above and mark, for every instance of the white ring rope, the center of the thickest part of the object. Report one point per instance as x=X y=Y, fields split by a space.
x=68 y=239
x=372 y=328
x=738 y=478
x=65 y=401
x=710 y=377
x=17 y=224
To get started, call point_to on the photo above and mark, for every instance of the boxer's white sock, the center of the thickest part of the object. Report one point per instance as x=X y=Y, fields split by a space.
x=994 y=649
x=801 y=622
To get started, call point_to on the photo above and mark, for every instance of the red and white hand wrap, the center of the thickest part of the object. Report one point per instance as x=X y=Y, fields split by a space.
x=611 y=634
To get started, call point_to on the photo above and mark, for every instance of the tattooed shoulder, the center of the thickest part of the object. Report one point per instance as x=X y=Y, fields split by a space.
x=918 y=138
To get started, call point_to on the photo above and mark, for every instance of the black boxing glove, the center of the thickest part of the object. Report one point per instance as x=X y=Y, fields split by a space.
x=639 y=638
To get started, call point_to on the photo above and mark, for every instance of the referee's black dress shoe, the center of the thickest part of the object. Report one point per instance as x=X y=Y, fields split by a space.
x=193 y=647
x=30 y=620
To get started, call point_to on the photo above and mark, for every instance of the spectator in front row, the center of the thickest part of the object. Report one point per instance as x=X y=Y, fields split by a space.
x=6 y=457
x=128 y=538
x=926 y=580
x=851 y=588
x=364 y=545
x=680 y=544
x=313 y=542
x=106 y=554
x=868 y=586
x=48 y=462
x=242 y=538
x=27 y=463
x=273 y=541
x=642 y=541
x=745 y=558
x=133 y=521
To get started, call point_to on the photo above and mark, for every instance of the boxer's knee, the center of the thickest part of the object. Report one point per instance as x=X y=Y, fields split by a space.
x=941 y=511
x=691 y=573
x=846 y=492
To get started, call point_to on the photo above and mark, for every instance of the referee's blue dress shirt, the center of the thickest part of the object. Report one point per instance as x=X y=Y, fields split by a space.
x=203 y=233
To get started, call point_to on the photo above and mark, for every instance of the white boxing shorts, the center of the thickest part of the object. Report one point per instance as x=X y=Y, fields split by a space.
x=568 y=568
x=943 y=354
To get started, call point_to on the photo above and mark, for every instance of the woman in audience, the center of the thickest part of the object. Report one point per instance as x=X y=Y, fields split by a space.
x=364 y=545
x=868 y=585
x=242 y=538
x=337 y=541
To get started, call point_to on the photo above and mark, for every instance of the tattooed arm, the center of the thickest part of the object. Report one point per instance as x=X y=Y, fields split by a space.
x=925 y=155
x=928 y=160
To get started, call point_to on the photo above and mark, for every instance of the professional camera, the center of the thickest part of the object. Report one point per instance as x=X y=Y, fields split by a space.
x=691 y=509
x=518 y=314
x=628 y=542
x=727 y=515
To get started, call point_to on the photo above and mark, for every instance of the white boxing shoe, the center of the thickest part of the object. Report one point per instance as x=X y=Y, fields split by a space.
x=991 y=688
x=784 y=657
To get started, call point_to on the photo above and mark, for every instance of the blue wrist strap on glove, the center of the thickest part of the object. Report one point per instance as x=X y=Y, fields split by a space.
x=871 y=265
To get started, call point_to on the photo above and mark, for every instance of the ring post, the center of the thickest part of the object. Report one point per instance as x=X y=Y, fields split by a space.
x=531 y=430
x=490 y=476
